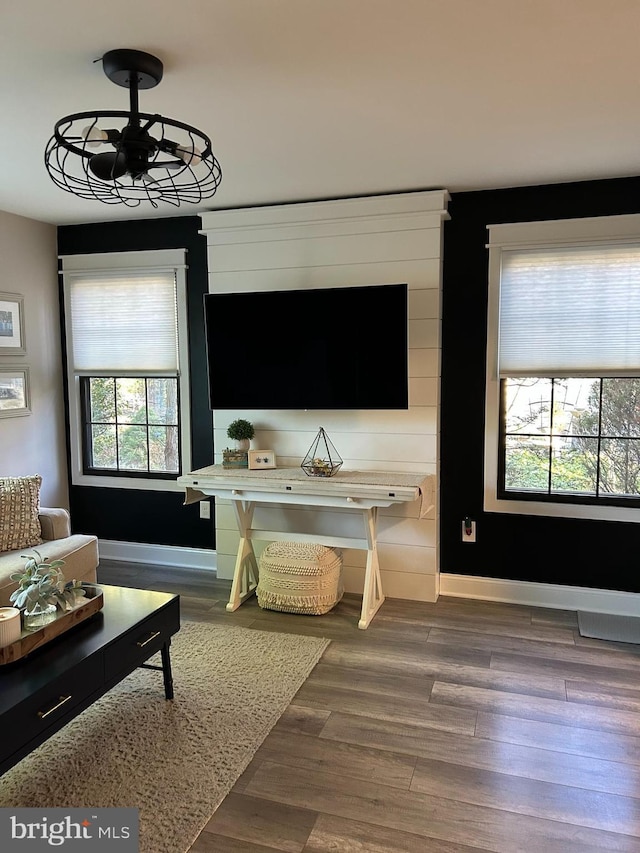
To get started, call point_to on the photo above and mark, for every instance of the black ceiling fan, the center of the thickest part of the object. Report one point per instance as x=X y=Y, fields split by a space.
x=138 y=143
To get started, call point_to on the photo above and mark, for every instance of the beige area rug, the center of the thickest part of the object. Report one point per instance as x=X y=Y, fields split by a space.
x=175 y=761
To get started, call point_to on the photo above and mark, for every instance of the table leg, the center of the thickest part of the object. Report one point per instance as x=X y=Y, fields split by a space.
x=372 y=596
x=166 y=670
x=245 y=574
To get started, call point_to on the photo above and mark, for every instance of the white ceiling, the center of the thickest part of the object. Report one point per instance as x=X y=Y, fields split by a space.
x=312 y=99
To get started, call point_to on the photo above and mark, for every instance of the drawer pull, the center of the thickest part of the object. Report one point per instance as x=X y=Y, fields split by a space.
x=148 y=640
x=59 y=704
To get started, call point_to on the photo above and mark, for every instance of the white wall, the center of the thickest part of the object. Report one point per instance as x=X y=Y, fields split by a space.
x=377 y=240
x=35 y=444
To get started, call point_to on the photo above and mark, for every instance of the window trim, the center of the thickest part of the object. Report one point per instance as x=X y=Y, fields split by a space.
x=610 y=229
x=165 y=259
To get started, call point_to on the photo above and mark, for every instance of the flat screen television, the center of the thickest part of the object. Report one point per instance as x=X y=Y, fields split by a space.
x=326 y=348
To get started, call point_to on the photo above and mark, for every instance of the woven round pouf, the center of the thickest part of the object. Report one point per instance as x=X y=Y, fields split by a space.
x=299 y=577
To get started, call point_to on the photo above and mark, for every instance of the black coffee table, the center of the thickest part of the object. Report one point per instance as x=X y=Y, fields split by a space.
x=44 y=691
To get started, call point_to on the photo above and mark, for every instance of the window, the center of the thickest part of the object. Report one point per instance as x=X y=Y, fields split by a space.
x=127 y=357
x=568 y=439
x=130 y=425
x=563 y=368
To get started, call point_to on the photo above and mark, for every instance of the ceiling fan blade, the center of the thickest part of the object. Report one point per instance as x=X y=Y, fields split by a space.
x=108 y=166
x=167 y=164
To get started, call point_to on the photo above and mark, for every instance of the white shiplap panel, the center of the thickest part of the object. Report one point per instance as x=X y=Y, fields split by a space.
x=346 y=521
x=396 y=583
x=407 y=531
x=274 y=513
x=424 y=333
x=355 y=446
x=423 y=391
x=225 y=516
x=424 y=362
x=420 y=449
x=267 y=249
x=226 y=541
x=431 y=204
x=417 y=273
x=324 y=523
x=269 y=422
x=410 y=586
x=392 y=557
x=226 y=555
x=366 y=465
x=392 y=527
x=225 y=564
x=424 y=304
x=395 y=558
x=398 y=558
x=414 y=587
x=371 y=464
x=392 y=530
x=353 y=249
x=279 y=232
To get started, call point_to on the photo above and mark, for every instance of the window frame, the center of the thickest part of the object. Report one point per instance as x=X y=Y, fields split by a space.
x=158 y=259
x=530 y=235
x=87 y=423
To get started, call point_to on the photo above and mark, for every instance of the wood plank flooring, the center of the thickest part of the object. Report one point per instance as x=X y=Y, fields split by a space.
x=454 y=727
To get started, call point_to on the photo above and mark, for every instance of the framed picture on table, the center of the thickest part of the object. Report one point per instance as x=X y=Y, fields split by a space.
x=261 y=459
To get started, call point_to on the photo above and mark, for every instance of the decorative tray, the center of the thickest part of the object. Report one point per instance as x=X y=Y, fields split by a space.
x=31 y=640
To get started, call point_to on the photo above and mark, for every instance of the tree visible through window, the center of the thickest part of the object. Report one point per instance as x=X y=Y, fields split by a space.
x=131 y=425
x=573 y=437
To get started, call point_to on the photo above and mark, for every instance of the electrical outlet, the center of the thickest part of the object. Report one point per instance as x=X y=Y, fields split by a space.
x=468 y=530
x=205 y=509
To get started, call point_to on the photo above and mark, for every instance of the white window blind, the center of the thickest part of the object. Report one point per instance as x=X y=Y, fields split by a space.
x=570 y=311
x=124 y=321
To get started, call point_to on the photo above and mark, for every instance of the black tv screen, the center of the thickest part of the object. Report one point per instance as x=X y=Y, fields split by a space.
x=328 y=348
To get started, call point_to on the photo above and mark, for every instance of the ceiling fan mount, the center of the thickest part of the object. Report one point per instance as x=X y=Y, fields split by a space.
x=121 y=65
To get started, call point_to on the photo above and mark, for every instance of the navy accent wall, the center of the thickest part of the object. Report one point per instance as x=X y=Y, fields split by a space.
x=576 y=552
x=128 y=515
x=595 y=554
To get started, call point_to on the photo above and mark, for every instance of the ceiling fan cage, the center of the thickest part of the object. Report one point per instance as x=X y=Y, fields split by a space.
x=119 y=157
x=68 y=156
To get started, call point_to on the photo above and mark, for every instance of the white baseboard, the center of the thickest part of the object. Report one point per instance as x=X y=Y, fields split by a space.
x=159 y=555
x=541 y=594
x=457 y=586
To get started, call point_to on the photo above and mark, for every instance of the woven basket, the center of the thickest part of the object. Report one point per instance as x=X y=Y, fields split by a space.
x=299 y=577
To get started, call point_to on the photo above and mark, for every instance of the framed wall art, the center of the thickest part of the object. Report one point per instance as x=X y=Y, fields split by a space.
x=12 y=324
x=14 y=392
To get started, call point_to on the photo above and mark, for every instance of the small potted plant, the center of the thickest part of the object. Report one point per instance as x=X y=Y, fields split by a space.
x=241 y=431
x=42 y=590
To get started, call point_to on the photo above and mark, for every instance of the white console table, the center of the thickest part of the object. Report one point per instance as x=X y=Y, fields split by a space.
x=359 y=490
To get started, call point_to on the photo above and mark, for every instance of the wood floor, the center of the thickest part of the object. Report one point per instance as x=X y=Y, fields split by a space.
x=460 y=726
